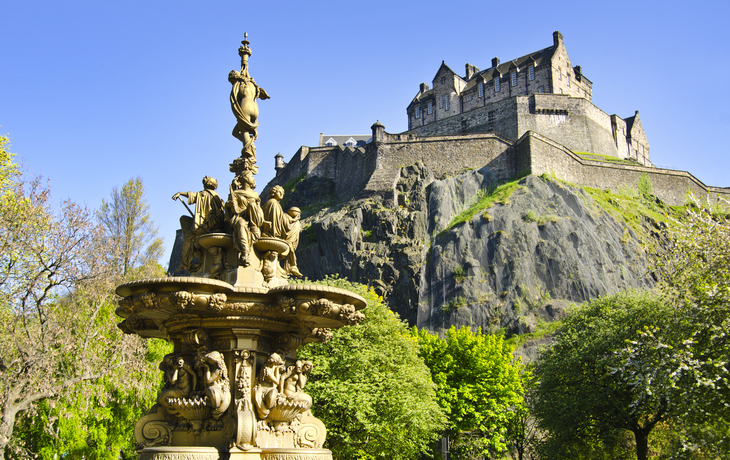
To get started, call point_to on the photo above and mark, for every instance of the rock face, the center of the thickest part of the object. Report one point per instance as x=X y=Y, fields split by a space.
x=510 y=266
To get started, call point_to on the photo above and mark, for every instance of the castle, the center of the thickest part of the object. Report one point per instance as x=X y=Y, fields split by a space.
x=530 y=115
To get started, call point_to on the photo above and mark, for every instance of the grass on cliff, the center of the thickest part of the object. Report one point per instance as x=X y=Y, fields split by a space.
x=629 y=206
x=605 y=158
x=486 y=198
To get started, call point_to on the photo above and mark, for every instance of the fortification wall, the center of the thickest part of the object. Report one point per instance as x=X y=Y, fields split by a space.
x=573 y=121
x=449 y=154
x=349 y=168
x=375 y=169
x=549 y=157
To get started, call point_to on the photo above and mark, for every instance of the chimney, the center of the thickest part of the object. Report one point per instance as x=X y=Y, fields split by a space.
x=470 y=71
x=423 y=89
x=495 y=62
x=557 y=38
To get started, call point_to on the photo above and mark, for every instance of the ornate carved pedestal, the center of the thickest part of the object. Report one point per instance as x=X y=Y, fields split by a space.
x=234 y=385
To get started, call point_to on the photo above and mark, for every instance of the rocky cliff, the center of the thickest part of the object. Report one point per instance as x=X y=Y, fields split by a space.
x=460 y=251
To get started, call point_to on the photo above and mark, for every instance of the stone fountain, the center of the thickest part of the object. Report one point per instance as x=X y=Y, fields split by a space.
x=233 y=384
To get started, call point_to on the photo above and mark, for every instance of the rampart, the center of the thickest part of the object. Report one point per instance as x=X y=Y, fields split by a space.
x=375 y=168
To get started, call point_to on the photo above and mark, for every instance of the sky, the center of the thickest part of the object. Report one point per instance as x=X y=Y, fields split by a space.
x=95 y=93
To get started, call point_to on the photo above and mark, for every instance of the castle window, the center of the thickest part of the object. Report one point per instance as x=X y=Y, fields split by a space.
x=514 y=78
x=490 y=116
x=418 y=112
x=471 y=97
x=481 y=89
x=560 y=74
x=351 y=142
x=496 y=84
x=443 y=80
x=568 y=79
x=331 y=142
x=561 y=90
x=531 y=71
x=446 y=104
x=541 y=89
x=441 y=102
x=430 y=107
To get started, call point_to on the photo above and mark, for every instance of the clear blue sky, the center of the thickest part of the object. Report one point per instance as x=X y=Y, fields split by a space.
x=94 y=93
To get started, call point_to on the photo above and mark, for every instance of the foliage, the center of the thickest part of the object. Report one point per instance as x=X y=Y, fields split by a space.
x=478 y=387
x=587 y=398
x=129 y=227
x=8 y=170
x=96 y=423
x=64 y=365
x=370 y=387
x=645 y=189
x=485 y=199
x=459 y=273
x=605 y=158
x=627 y=207
x=684 y=357
x=56 y=306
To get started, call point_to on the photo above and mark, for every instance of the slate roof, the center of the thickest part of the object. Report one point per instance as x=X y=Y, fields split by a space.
x=504 y=68
x=541 y=57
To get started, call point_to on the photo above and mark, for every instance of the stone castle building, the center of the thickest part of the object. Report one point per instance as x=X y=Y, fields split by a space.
x=531 y=115
x=541 y=92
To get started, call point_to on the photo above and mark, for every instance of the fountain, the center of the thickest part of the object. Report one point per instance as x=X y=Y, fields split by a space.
x=233 y=384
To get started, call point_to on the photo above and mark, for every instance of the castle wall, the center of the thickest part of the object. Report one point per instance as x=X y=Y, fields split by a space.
x=572 y=121
x=449 y=154
x=548 y=157
x=349 y=168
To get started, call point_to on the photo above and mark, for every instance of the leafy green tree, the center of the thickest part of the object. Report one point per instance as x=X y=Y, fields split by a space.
x=58 y=331
x=479 y=386
x=587 y=398
x=129 y=227
x=95 y=424
x=683 y=357
x=370 y=387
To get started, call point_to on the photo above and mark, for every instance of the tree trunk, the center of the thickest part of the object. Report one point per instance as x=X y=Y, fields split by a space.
x=642 y=444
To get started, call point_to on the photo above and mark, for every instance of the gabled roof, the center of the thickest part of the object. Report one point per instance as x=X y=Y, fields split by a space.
x=444 y=66
x=421 y=96
x=538 y=57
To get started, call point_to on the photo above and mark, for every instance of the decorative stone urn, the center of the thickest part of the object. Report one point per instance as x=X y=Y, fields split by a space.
x=233 y=384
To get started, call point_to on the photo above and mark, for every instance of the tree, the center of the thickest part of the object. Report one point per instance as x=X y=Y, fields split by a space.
x=683 y=357
x=55 y=305
x=128 y=225
x=587 y=398
x=479 y=385
x=370 y=387
x=96 y=423
x=58 y=330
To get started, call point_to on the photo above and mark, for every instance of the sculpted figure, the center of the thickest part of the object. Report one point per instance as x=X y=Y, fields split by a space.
x=266 y=391
x=214 y=375
x=285 y=226
x=243 y=97
x=293 y=383
x=208 y=218
x=244 y=210
x=180 y=381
